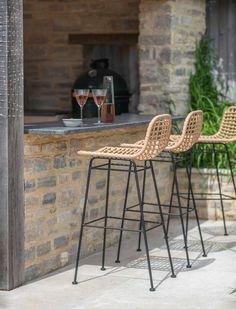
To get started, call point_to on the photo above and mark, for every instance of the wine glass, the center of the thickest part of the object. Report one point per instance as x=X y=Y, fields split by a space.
x=99 y=96
x=81 y=96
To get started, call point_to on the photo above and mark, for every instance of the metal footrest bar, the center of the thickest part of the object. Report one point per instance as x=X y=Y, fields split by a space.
x=225 y=197
x=90 y=224
x=189 y=209
x=178 y=215
x=155 y=205
x=117 y=167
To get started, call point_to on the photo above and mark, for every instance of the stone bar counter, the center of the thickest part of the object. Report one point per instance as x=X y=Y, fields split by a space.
x=55 y=179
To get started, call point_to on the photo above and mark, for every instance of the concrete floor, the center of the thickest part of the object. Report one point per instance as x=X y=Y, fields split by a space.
x=207 y=285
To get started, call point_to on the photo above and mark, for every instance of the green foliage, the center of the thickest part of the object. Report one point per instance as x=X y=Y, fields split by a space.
x=206 y=94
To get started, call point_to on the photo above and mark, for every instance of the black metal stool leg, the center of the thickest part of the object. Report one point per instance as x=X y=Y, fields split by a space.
x=188 y=165
x=180 y=211
x=162 y=220
x=143 y=226
x=188 y=170
x=123 y=214
x=82 y=222
x=106 y=212
x=230 y=166
x=219 y=185
x=170 y=206
x=143 y=192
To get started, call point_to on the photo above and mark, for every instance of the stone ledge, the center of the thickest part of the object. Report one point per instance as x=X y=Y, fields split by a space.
x=123 y=121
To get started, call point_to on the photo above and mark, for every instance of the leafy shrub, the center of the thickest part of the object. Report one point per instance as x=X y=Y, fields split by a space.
x=206 y=94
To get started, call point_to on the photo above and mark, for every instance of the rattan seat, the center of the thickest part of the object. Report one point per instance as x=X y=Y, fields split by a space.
x=181 y=143
x=156 y=140
x=227 y=130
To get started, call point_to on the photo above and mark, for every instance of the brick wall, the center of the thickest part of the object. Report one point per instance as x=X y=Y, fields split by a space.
x=168 y=34
x=54 y=193
x=205 y=180
x=51 y=65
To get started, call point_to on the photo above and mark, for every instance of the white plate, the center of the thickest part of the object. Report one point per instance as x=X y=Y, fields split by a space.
x=72 y=122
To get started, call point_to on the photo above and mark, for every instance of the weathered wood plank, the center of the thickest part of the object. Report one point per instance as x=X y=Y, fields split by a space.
x=106 y=39
x=11 y=141
x=221 y=24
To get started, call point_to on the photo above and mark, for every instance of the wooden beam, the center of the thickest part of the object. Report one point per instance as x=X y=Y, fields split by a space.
x=11 y=143
x=104 y=39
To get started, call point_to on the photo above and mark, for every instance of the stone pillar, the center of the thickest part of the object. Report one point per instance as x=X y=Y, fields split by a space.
x=154 y=55
x=187 y=26
x=168 y=34
x=11 y=141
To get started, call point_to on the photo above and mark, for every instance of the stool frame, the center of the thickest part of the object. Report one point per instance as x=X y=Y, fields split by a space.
x=225 y=135
x=129 y=167
x=180 y=144
x=156 y=139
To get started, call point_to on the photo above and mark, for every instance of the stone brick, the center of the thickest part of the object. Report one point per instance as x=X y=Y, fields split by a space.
x=29 y=185
x=68 y=197
x=64 y=258
x=165 y=55
x=49 y=198
x=61 y=241
x=156 y=39
x=144 y=53
x=75 y=235
x=51 y=264
x=37 y=165
x=48 y=148
x=76 y=175
x=101 y=184
x=44 y=248
x=59 y=162
x=94 y=213
x=64 y=217
x=64 y=178
x=49 y=181
x=31 y=200
x=33 y=231
x=61 y=146
x=29 y=254
x=180 y=72
x=28 y=149
x=32 y=272
x=163 y=21
x=92 y=200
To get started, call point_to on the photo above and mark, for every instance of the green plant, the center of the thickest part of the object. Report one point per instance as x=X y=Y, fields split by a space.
x=206 y=93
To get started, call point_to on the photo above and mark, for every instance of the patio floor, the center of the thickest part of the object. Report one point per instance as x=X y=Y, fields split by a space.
x=207 y=285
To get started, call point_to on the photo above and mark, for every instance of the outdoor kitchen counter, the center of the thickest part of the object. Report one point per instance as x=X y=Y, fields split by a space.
x=122 y=121
x=55 y=178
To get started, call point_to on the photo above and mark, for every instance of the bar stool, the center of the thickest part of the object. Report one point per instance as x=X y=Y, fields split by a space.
x=177 y=146
x=124 y=159
x=225 y=135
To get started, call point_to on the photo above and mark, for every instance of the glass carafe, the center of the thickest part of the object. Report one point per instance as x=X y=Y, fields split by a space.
x=108 y=107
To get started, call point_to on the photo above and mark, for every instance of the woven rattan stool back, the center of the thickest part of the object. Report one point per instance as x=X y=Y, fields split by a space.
x=227 y=129
x=190 y=134
x=156 y=138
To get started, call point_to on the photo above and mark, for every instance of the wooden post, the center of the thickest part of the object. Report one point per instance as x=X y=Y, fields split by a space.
x=11 y=145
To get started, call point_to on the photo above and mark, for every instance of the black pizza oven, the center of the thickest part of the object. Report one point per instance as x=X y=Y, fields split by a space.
x=93 y=79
